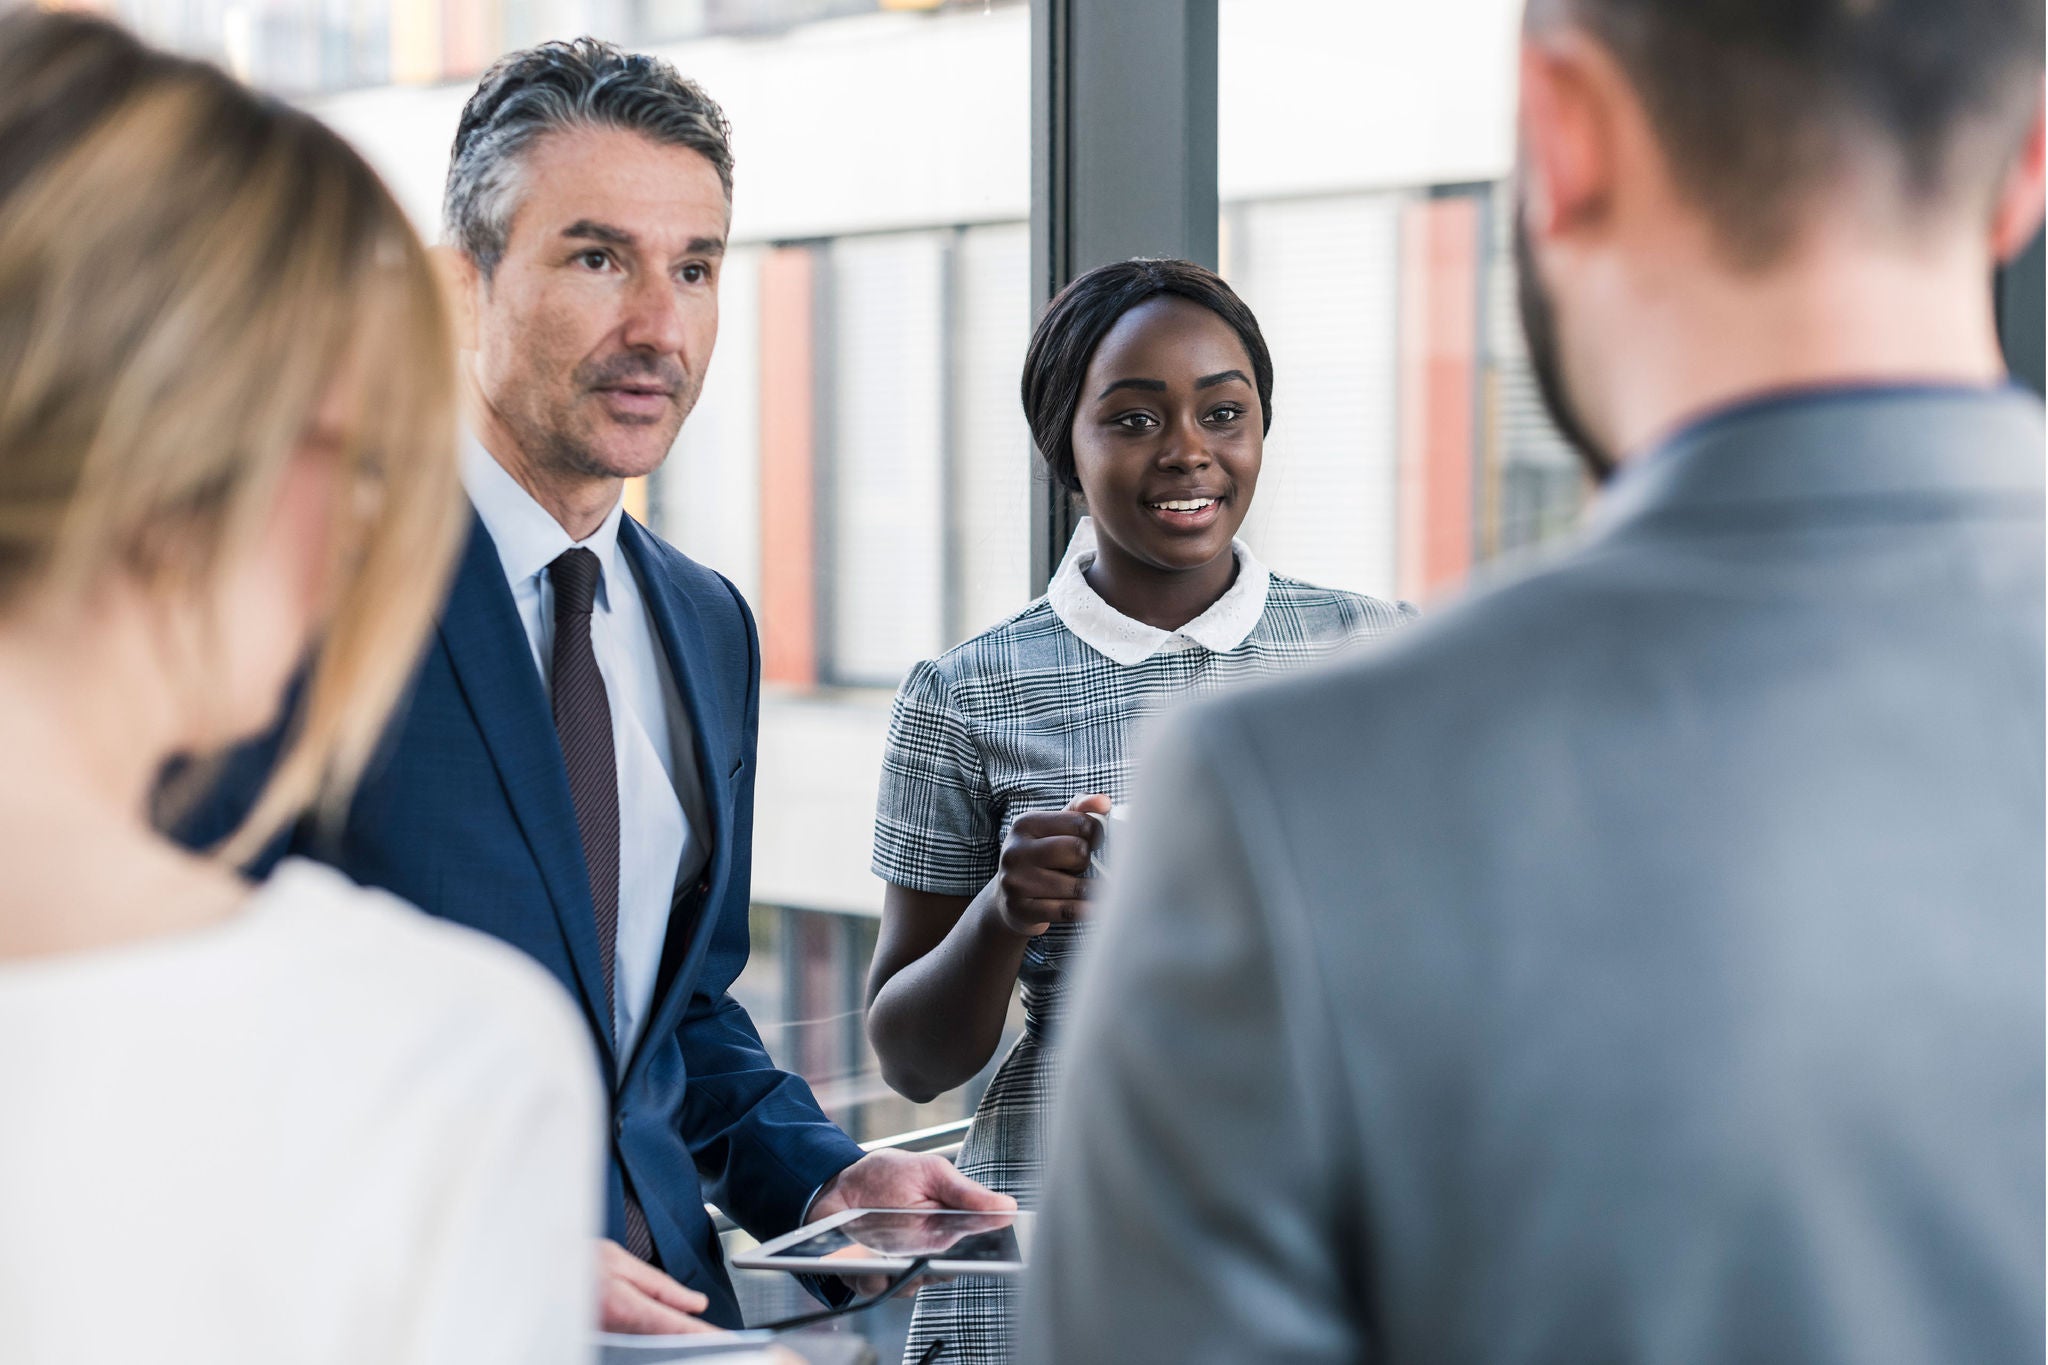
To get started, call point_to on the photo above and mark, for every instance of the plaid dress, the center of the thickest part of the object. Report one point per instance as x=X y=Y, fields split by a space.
x=1024 y=717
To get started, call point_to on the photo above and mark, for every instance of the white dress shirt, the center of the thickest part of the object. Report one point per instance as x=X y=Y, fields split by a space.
x=661 y=794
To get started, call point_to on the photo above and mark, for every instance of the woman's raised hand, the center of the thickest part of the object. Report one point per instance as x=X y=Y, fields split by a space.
x=1044 y=868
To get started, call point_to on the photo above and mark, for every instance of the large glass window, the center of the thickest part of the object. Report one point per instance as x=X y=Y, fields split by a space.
x=1323 y=276
x=884 y=477
x=1533 y=484
x=1363 y=164
x=858 y=465
x=716 y=509
x=989 y=513
x=308 y=47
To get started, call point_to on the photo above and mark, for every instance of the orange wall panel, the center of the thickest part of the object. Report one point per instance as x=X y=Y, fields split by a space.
x=469 y=37
x=1439 y=374
x=789 y=607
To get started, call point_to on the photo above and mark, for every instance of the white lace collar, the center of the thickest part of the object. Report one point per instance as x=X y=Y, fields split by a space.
x=1220 y=629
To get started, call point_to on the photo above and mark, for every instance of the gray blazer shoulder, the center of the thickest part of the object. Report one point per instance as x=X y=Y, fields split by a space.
x=1638 y=962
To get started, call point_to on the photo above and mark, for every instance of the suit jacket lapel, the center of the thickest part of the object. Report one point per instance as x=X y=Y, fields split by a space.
x=682 y=641
x=493 y=662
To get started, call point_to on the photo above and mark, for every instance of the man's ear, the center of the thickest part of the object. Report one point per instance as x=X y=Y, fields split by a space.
x=460 y=283
x=2017 y=216
x=1567 y=134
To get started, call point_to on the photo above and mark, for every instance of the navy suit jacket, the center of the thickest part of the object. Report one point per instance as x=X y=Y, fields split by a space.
x=467 y=815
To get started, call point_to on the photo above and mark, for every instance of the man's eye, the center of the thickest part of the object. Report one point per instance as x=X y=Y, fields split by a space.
x=696 y=273
x=594 y=260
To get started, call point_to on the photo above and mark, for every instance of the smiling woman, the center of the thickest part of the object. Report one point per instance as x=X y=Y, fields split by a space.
x=1148 y=387
x=1166 y=444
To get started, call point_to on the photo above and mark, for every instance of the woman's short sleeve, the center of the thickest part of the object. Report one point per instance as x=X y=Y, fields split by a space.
x=935 y=819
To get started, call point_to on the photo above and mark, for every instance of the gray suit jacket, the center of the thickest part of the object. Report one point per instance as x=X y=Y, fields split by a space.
x=1641 y=962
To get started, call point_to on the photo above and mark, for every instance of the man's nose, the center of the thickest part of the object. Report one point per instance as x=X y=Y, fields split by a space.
x=654 y=317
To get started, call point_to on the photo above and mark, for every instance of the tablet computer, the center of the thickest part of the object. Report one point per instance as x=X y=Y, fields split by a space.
x=887 y=1241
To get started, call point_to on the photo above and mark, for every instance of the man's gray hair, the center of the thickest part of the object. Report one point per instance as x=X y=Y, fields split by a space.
x=553 y=88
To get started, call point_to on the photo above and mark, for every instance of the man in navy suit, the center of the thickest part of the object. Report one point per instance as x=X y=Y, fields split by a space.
x=575 y=770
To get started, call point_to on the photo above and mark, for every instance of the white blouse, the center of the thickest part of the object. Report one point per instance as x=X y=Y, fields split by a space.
x=1225 y=625
x=330 y=1129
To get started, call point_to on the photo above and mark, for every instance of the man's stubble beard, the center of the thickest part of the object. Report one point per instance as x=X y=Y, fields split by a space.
x=1546 y=362
x=570 y=452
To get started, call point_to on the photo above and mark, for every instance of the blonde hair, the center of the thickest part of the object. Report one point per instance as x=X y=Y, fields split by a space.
x=187 y=269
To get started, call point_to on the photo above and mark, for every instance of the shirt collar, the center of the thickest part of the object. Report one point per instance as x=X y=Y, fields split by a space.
x=1119 y=638
x=527 y=535
x=1831 y=443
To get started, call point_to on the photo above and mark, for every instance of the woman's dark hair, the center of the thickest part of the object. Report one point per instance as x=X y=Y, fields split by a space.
x=1075 y=323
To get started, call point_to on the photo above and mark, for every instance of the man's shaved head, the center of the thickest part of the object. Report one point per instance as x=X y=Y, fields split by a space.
x=1762 y=105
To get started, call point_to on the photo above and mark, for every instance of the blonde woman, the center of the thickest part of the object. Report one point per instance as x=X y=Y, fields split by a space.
x=294 y=1122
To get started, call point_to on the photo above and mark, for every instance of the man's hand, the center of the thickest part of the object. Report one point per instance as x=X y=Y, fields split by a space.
x=903 y=1180
x=632 y=1296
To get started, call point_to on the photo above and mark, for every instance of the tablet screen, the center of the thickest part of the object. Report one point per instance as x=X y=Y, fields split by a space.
x=940 y=1234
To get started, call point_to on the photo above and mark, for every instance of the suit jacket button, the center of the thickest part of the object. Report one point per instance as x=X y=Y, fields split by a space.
x=619 y=1124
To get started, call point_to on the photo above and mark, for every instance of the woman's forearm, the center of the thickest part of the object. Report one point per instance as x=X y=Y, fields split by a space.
x=938 y=1019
